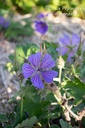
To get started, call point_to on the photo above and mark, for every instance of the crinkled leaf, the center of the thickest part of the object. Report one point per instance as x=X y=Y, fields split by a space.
x=23 y=51
x=64 y=124
x=76 y=89
x=28 y=123
x=51 y=49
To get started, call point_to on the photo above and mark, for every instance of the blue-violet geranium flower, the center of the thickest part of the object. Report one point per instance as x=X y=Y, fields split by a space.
x=70 y=46
x=3 y=22
x=41 y=15
x=38 y=69
x=41 y=27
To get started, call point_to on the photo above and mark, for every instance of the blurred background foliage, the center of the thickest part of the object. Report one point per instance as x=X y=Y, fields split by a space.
x=11 y=8
x=71 y=7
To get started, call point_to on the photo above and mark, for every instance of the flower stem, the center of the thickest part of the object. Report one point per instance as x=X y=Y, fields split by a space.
x=61 y=63
x=21 y=109
x=71 y=112
x=61 y=100
x=21 y=104
x=60 y=72
x=41 y=44
x=41 y=47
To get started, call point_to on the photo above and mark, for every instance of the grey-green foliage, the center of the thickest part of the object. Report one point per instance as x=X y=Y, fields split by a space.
x=54 y=126
x=76 y=88
x=17 y=31
x=3 y=118
x=64 y=124
x=35 y=6
x=28 y=123
x=22 y=53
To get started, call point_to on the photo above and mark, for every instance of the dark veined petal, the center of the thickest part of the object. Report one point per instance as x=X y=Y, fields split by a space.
x=27 y=70
x=65 y=40
x=62 y=50
x=34 y=59
x=47 y=62
x=37 y=82
x=49 y=75
x=75 y=39
x=41 y=27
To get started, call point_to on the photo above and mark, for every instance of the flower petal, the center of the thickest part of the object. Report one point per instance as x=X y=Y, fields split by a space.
x=41 y=15
x=34 y=59
x=65 y=40
x=41 y=27
x=75 y=39
x=27 y=70
x=47 y=62
x=36 y=81
x=70 y=55
x=62 y=50
x=49 y=75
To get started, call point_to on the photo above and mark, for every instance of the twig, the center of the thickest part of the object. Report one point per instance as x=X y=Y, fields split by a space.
x=61 y=100
x=71 y=112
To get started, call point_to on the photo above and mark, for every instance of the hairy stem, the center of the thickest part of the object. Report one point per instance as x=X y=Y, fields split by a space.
x=41 y=44
x=21 y=104
x=60 y=72
x=21 y=110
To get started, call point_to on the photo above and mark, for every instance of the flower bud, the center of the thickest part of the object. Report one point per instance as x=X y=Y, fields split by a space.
x=60 y=62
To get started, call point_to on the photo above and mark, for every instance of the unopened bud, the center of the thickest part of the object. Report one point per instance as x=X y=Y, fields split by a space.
x=60 y=62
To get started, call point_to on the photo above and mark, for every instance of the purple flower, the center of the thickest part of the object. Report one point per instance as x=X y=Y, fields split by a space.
x=41 y=27
x=70 y=46
x=39 y=69
x=41 y=15
x=6 y=24
x=3 y=22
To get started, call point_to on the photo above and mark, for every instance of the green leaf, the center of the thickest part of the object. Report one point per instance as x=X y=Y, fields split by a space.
x=79 y=107
x=76 y=88
x=51 y=49
x=28 y=123
x=64 y=124
x=9 y=126
x=17 y=118
x=32 y=121
x=16 y=31
x=3 y=118
x=23 y=51
x=50 y=97
x=32 y=107
x=54 y=126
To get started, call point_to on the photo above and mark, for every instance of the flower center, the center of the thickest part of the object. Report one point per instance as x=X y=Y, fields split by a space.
x=39 y=69
x=42 y=25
